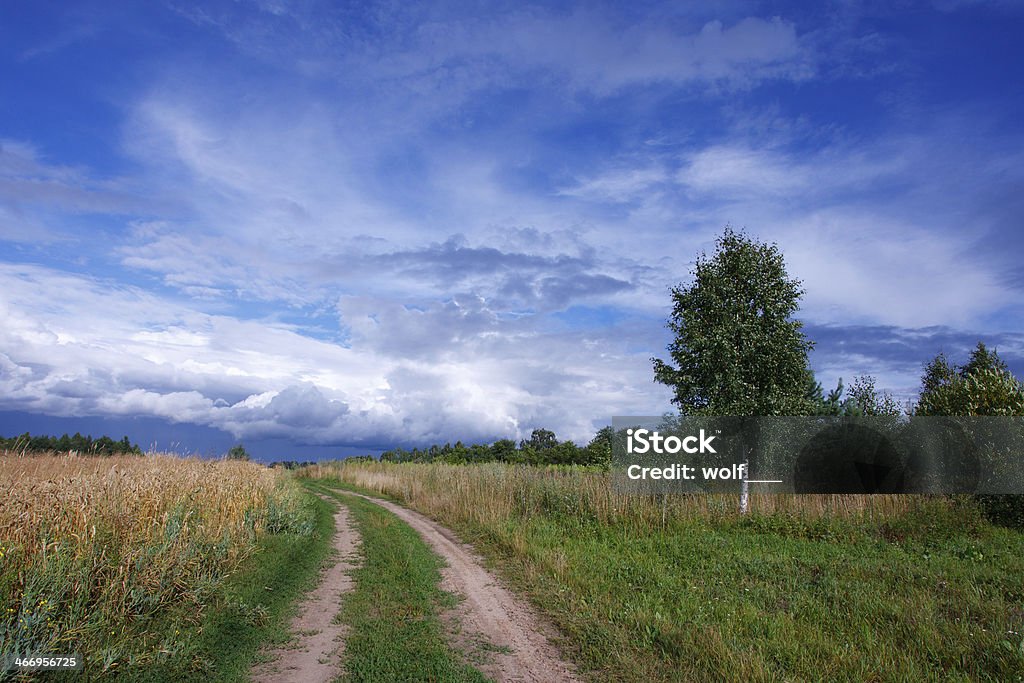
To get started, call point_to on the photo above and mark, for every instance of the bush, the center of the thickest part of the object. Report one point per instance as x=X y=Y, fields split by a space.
x=238 y=453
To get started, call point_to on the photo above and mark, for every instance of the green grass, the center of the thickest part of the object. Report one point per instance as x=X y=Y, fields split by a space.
x=743 y=602
x=252 y=609
x=396 y=632
x=762 y=600
x=931 y=593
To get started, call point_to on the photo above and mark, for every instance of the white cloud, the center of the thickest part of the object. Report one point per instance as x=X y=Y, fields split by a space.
x=449 y=54
x=76 y=346
x=860 y=266
x=740 y=172
x=605 y=56
x=733 y=170
x=599 y=52
x=618 y=185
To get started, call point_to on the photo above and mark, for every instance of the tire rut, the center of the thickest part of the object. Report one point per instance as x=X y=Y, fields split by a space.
x=314 y=654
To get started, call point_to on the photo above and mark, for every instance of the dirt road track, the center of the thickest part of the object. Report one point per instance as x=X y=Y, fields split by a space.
x=315 y=654
x=489 y=612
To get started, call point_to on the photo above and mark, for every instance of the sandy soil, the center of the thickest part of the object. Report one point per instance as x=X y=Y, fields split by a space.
x=500 y=633
x=314 y=654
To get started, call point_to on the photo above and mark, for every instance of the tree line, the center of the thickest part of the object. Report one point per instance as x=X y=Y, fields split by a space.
x=542 y=448
x=86 y=445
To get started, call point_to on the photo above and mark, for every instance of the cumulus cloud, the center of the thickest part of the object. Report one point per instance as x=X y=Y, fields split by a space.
x=516 y=279
x=299 y=412
x=409 y=374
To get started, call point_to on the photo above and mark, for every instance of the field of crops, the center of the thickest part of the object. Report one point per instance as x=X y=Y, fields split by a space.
x=840 y=588
x=112 y=557
x=162 y=568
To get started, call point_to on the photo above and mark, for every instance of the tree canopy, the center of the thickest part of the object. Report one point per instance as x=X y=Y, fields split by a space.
x=737 y=348
x=983 y=386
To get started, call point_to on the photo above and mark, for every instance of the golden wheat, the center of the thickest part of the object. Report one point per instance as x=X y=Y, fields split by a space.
x=68 y=498
x=93 y=547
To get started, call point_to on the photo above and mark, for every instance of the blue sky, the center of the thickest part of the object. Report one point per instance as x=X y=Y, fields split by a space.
x=329 y=228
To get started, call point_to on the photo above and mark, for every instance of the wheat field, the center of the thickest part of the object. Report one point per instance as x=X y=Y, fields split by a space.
x=96 y=551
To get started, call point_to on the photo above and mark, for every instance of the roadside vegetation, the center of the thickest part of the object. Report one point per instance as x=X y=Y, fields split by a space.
x=395 y=629
x=845 y=588
x=153 y=567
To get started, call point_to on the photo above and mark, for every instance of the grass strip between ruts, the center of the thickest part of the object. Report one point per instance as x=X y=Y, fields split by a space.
x=393 y=614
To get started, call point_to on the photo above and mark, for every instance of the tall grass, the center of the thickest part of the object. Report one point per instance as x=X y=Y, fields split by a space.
x=493 y=492
x=97 y=553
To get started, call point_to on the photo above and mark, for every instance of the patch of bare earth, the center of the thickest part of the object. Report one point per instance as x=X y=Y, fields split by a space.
x=499 y=632
x=314 y=654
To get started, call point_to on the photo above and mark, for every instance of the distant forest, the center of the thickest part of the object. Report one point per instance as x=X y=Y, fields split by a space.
x=86 y=445
x=542 y=448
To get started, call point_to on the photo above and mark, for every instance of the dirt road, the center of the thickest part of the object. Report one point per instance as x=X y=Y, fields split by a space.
x=314 y=655
x=516 y=648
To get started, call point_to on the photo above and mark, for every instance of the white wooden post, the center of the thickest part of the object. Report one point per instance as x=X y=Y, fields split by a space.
x=744 y=485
